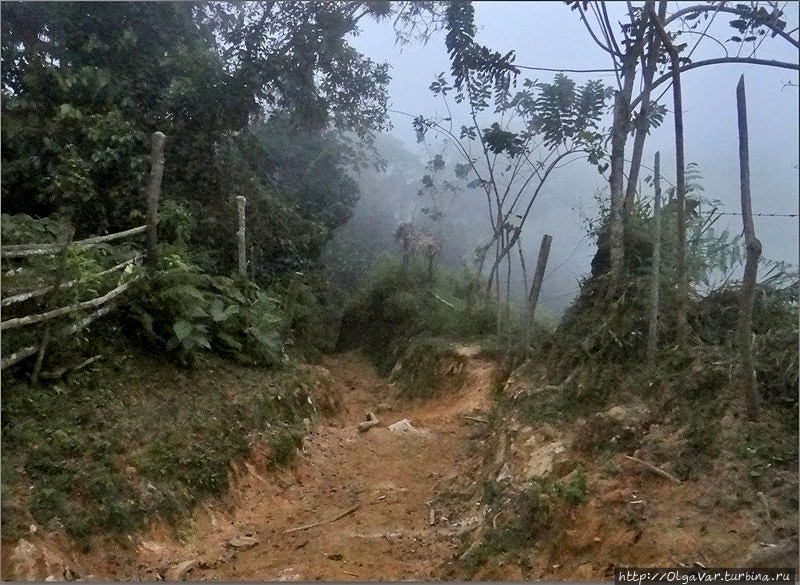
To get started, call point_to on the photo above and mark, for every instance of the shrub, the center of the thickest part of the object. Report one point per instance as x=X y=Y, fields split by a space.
x=398 y=304
x=185 y=310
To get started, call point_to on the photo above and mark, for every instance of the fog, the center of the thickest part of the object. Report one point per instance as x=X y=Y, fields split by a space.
x=549 y=35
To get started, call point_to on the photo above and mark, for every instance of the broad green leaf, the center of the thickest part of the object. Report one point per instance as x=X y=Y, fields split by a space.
x=182 y=329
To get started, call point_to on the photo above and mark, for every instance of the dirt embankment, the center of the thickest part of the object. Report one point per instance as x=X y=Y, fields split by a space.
x=457 y=486
x=405 y=496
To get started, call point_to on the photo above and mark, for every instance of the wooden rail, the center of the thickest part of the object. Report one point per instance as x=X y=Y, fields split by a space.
x=104 y=301
x=25 y=352
x=27 y=250
x=18 y=298
x=96 y=302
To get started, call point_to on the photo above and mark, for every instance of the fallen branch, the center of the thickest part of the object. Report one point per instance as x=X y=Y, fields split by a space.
x=441 y=300
x=331 y=521
x=372 y=421
x=654 y=469
x=56 y=374
x=476 y=419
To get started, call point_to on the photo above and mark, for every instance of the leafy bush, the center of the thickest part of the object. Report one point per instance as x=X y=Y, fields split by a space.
x=397 y=304
x=186 y=310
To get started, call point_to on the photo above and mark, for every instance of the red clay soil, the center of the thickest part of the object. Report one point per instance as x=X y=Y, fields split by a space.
x=391 y=483
x=386 y=505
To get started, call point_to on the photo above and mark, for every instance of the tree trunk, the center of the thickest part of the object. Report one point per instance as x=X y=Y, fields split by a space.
x=650 y=62
x=682 y=325
x=753 y=246
x=619 y=136
x=655 y=277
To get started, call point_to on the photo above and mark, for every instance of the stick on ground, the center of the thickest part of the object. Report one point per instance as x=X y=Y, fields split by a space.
x=654 y=469
x=331 y=521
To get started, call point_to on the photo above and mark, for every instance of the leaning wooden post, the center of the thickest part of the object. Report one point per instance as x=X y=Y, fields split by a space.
x=538 y=277
x=241 y=235
x=153 y=191
x=69 y=233
x=655 y=276
x=753 y=246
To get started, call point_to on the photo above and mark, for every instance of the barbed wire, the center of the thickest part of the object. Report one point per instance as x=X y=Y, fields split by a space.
x=755 y=214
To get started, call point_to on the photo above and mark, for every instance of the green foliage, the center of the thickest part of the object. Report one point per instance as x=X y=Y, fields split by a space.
x=185 y=310
x=284 y=444
x=24 y=229
x=258 y=97
x=574 y=491
x=105 y=450
x=426 y=364
x=396 y=306
x=85 y=275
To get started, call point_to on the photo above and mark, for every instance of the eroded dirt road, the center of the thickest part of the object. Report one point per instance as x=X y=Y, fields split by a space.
x=396 y=481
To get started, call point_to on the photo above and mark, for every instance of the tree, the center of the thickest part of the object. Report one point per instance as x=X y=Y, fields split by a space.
x=234 y=87
x=535 y=131
x=643 y=38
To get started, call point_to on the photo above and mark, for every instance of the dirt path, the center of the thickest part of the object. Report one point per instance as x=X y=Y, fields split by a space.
x=393 y=478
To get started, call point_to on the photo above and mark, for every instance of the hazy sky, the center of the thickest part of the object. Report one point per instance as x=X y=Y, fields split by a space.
x=548 y=34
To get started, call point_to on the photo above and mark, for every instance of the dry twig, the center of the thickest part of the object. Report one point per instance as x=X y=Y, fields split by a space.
x=654 y=469
x=331 y=521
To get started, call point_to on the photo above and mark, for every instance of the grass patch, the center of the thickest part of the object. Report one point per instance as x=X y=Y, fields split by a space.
x=516 y=520
x=102 y=452
x=426 y=364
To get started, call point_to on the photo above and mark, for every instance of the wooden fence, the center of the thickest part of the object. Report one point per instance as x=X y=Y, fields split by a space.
x=101 y=305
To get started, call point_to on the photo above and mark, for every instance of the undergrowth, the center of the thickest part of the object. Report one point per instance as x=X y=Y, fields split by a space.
x=103 y=451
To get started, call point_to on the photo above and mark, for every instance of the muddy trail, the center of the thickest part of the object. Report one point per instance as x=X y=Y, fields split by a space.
x=411 y=498
x=355 y=505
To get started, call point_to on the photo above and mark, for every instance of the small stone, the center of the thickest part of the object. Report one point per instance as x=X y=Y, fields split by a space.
x=243 y=541
x=178 y=572
x=597 y=539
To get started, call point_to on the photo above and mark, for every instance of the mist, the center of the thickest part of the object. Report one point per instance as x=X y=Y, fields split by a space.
x=549 y=35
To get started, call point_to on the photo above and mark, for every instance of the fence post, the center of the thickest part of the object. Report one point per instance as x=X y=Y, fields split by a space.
x=753 y=246
x=241 y=235
x=153 y=191
x=538 y=277
x=655 y=276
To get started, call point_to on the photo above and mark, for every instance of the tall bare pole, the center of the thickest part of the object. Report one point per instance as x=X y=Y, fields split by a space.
x=655 y=276
x=753 y=245
x=241 y=235
x=682 y=324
